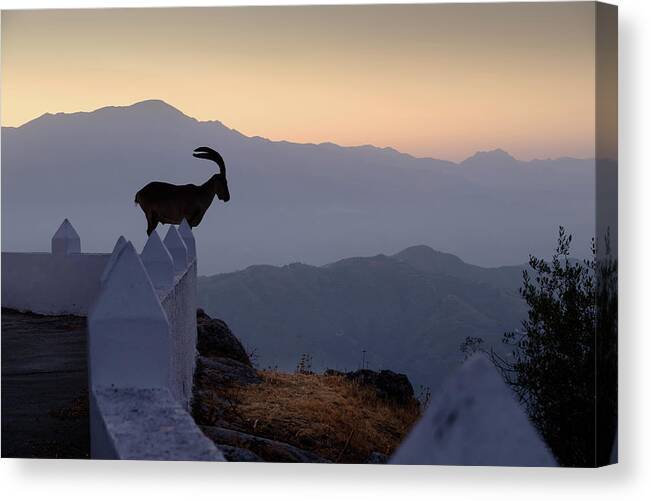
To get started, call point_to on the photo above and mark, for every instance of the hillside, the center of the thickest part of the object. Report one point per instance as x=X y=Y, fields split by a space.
x=408 y=312
x=314 y=203
x=428 y=260
x=295 y=416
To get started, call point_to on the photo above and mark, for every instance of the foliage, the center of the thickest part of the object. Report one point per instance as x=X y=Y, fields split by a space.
x=570 y=332
x=424 y=396
x=254 y=357
x=471 y=345
x=304 y=365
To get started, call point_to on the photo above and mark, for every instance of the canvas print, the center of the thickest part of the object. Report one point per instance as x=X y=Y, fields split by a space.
x=378 y=234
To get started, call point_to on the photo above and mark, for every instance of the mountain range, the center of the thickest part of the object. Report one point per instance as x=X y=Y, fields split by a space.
x=314 y=203
x=408 y=312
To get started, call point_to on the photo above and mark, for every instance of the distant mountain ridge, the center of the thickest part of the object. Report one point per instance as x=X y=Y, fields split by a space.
x=408 y=312
x=426 y=259
x=494 y=158
x=162 y=109
x=290 y=201
x=155 y=106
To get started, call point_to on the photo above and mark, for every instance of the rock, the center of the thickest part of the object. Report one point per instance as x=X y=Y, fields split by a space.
x=209 y=404
x=237 y=454
x=373 y=458
x=215 y=372
x=215 y=339
x=209 y=408
x=388 y=385
x=267 y=449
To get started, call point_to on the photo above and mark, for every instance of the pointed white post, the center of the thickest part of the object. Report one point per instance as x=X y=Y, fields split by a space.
x=177 y=248
x=186 y=234
x=109 y=265
x=474 y=420
x=128 y=332
x=158 y=262
x=66 y=240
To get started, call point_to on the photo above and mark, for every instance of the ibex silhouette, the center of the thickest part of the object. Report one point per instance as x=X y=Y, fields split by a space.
x=167 y=203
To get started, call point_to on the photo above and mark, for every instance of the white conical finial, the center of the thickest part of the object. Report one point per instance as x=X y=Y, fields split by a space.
x=116 y=249
x=186 y=234
x=119 y=243
x=158 y=262
x=474 y=420
x=128 y=335
x=66 y=240
x=177 y=248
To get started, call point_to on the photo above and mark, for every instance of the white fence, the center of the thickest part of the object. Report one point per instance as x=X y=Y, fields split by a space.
x=474 y=420
x=142 y=348
x=63 y=281
x=142 y=336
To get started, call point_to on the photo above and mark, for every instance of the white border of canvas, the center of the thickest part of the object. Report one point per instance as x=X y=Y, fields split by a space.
x=72 y=480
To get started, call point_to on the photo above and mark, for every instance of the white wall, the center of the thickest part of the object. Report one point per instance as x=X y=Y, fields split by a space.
x=180 y=306
x=128 y=331
x=51 y=284
x=63 y=281
x=145 y=424
x=142 y=336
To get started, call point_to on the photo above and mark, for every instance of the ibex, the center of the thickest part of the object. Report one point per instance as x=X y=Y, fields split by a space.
x=170 y=203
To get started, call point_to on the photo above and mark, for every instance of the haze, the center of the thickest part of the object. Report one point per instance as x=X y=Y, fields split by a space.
x=289 y=202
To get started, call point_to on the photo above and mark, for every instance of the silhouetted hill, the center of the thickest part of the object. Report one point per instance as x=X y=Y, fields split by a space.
x=290 y=202
x=495 y=158
x=409 y=312
x=426 y=259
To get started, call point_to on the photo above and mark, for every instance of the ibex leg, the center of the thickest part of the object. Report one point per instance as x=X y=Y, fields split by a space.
x=196 y=218
x=152 y=222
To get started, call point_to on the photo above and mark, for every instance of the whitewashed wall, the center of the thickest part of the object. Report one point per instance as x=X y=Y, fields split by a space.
x=180 y=306
x=142 y=348
x=51 y=285
x=63 y=281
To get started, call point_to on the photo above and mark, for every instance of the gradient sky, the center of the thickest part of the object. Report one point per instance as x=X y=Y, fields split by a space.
x=431 y=80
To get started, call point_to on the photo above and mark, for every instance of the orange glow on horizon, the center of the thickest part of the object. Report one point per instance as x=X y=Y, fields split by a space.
x=440 y=80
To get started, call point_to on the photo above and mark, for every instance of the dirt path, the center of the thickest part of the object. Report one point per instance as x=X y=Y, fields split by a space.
x=44 y=386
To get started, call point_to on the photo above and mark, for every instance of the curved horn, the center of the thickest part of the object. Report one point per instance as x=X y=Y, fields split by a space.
x=210 y=154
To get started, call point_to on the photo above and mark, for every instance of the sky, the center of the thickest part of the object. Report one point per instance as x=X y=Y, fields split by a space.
x=440 y=81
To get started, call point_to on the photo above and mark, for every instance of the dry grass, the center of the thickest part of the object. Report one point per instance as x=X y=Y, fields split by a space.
x=328 y=415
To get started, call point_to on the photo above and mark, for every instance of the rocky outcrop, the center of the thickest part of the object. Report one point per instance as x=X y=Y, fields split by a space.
x=239 y=455
x=210 y=406
x=229 y=391
x=387 y=384
x=264 y=448
x=377 y=458
x=215 y=339
x=221 y=371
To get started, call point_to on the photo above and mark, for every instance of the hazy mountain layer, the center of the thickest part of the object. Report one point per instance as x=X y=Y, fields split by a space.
x=409 y=312
x=290 y=202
